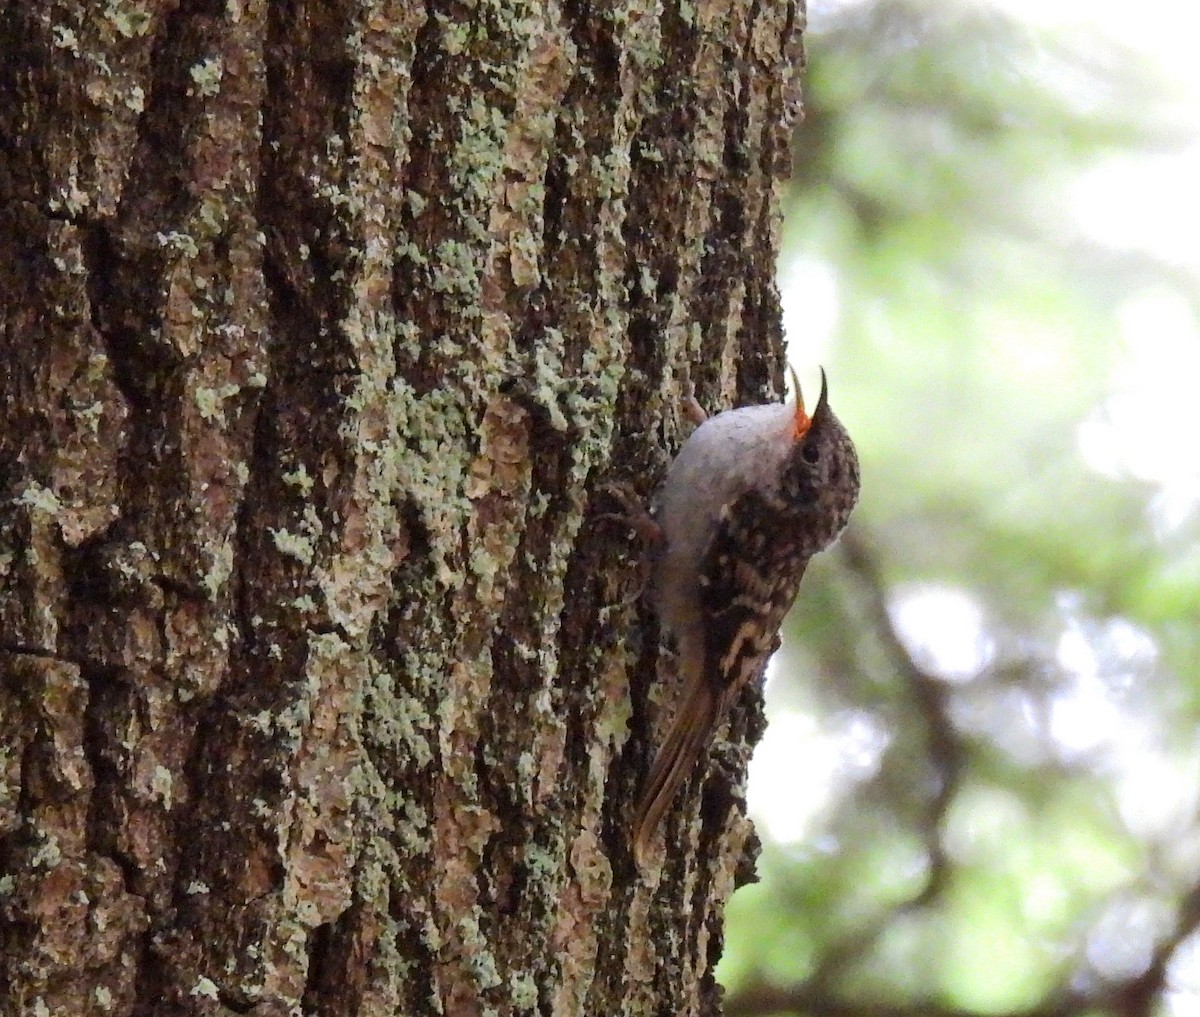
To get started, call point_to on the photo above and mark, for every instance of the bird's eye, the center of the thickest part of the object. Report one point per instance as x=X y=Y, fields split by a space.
x=810 y=454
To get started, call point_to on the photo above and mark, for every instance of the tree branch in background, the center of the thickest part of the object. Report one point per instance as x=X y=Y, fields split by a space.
x=761 y=999
x=946 y=750
x=821 y=994
x=946 y=753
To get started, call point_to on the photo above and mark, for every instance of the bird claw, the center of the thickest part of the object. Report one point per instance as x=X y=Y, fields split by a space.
x=633 y=514
x=691 y=407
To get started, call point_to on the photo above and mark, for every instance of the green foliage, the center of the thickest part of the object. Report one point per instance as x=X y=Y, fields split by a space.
x=1024 y=835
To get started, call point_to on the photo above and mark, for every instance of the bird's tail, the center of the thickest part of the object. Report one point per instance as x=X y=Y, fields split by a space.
x=691 y=731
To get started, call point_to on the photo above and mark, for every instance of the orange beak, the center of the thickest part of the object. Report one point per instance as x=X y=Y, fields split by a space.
x=803 y=421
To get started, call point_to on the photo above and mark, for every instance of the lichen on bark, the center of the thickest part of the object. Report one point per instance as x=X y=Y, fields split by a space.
x=322 y=685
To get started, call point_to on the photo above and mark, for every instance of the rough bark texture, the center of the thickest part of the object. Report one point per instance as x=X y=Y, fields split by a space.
x=322 y=685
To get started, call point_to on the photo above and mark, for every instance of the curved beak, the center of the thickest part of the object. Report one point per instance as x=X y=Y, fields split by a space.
x=802 y=420
x=822 y=401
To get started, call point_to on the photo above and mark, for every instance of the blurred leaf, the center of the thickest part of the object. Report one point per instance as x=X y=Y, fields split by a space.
x=1007 y=379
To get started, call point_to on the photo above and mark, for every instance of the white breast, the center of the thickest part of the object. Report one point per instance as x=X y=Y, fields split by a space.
x=725 y=456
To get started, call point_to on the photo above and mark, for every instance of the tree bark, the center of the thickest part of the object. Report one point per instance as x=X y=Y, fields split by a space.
x=323 y=684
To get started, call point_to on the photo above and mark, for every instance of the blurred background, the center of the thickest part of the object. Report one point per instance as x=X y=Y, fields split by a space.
x=979 y=792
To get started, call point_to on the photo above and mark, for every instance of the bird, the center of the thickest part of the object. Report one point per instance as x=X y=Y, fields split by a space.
x=752 y=495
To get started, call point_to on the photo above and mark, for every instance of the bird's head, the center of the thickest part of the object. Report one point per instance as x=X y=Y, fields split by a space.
x=820 y=474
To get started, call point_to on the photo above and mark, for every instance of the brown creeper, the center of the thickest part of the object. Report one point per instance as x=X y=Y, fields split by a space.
x=753 y=494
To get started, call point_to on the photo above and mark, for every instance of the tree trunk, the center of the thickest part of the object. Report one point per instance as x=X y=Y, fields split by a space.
x=324 y=687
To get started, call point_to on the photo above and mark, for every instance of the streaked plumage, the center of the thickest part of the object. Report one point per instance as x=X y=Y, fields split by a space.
x=753 y=494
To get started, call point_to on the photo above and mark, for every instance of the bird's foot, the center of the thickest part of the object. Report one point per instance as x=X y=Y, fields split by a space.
x=633 y=513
